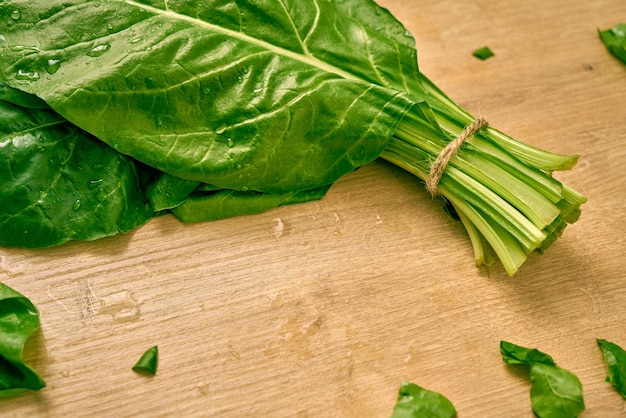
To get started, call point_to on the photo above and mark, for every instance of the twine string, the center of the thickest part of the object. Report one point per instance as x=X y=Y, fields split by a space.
x=441 y=162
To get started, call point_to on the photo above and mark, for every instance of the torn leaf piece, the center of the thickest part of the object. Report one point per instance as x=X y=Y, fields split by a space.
x=615 y=359
x=615 y=40
x=415 y=401
x=554 y=392
x=483 y=53
x=18 y=320
x=148 y=362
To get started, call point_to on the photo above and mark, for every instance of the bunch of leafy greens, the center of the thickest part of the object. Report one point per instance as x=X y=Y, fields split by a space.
x=213 y=109
x=554 y=392
x=415 y=401
x=615 y=40
x=18 y=320
x=615 y=359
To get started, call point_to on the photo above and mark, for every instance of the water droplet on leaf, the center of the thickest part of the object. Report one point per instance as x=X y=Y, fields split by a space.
x=76 y=204
x=52 y=66
x=24 y=75
x=98 y=50
x=94 y=183
x=16 y=15
x=239 y=79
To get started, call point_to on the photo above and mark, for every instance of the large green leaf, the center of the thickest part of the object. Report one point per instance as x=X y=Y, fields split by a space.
x=58 y=183
x=266 y=95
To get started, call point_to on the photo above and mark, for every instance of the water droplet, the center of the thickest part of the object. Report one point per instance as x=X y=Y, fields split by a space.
x=52 y=66
x=110 y=26
x=16 y=15
x=245 y=189
x=29 y=76
x=98 y=50
x=94 y=183
x=96 y=5
x=245 y=70
x=239 y=79
x=230 y=143
x=122 y=306
x=76 y=204
x=65 y=373
x=136 y=40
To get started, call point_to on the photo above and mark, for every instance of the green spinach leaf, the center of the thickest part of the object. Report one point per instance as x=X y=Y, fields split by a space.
x=18 y=320
x=615 y=359
x=615 y=40
x=226 y=117
x=148 y=362
x=417 y=402
x=222 y=204
x=555 y=392
x=59 y=183
x=167 y=191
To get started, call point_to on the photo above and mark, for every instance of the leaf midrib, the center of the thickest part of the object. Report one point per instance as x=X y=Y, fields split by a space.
x=306 y=58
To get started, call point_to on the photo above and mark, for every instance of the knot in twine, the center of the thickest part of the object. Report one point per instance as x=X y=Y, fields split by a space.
x=440 y=164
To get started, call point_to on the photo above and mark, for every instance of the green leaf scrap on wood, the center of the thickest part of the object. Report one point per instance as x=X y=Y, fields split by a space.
x=148 y=362
x=615 y=40
x=415 y=402
x=615 y=359
x=554 y=392
x=19 y=319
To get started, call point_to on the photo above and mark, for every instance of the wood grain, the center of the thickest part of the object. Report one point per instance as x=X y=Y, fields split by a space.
x=323 y=309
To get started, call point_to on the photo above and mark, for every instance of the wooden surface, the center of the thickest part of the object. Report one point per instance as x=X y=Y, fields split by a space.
x=323 y=309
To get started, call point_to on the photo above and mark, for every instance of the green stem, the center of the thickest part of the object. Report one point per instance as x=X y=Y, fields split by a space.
x=503 y=190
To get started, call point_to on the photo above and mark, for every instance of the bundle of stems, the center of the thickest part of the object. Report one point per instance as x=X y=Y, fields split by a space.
x=502 y=190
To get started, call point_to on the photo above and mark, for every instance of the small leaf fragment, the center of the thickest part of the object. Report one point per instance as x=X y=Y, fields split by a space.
x=615 y=359
x=483 y=53
x=515 y=354
x=415 y=401
x=148 y=362
x=19 y=319
x=615 y=40
x=554 y=392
